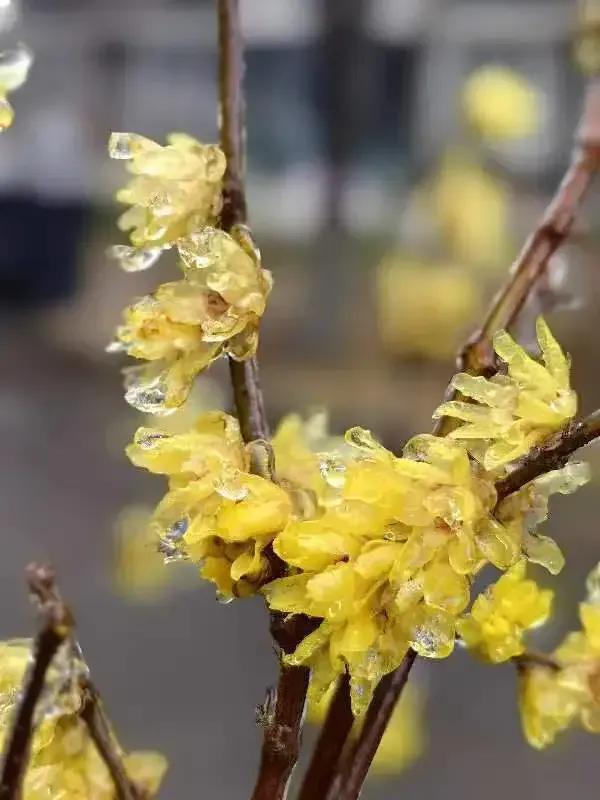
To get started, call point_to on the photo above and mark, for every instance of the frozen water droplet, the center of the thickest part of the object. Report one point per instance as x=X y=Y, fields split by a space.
x=133 y=259
x=332 y=470
x=149 y=439
x=123 y=146
x=178 y=529
x=231 y=489
x=14 y=68
x=224 y=599
x=116 y=346
x=147 y=394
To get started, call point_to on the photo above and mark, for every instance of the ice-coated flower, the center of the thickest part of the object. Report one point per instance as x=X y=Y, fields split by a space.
x=185 y=325
x=216 y=513
x=511 y=413
x=498 y=619
x=175 y=190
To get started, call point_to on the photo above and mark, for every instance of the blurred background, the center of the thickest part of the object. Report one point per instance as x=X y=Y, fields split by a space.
x=399 y=152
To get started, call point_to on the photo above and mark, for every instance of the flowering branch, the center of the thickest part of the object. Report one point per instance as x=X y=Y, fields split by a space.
x=92 y=713
x=551 y=454
x=57 y=628
x=281 y=742
x=477 y=356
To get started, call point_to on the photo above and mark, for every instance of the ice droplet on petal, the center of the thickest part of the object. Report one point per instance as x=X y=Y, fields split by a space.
x=544 y=551
x=145 y=393
x=123 y=146
x=332 y=469
x=231 y=489
x=134 y=259
x=14 y=68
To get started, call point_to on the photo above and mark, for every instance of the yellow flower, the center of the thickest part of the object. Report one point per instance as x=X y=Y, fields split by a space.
x=187 y=324
x=176 y=189
x=64 y=763
x=14 y=68
x=500 y=616
x=215 y=513
x=512 y=413
x=499 y=103
x=409 y=292
x=403 y=740
x=387 y=566
x=548 y=703
x=553 y=699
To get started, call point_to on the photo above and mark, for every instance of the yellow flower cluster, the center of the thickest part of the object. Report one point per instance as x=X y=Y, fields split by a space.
x=404 y=737
x=14 y=69
x=513 y=412
x=64 y=762
x=216 y=512
x=388 y=564
x=215 y=308
x=381 y=549
x=500 y=616
x=553 y=698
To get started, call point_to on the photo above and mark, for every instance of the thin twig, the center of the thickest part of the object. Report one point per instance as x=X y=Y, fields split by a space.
x=330 y=745
x=56 y=626
x=92 y=713
x=247 y=393
x=355 y=768
x=534 y=658
x=281 y=741
x=551 y=454
x=477 y=356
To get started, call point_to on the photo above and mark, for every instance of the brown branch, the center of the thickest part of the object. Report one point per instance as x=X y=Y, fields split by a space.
x=281 y=741
x=354 y=770
x=244 y=374
x=533 y=658
x=477 y=356
x=330 y=745
x=56 y=627
x=551 y=454
x=92 y=713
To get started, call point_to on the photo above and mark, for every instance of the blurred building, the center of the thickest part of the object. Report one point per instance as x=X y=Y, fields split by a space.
x=345 y=98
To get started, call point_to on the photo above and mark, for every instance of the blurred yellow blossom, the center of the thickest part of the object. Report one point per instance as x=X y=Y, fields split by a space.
x=176 y=189
x=403 y=740
x=500 y=616
x=14 y=68
x=499 y=103
x=513 y=412
x=409 y=292
x=64 y=763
